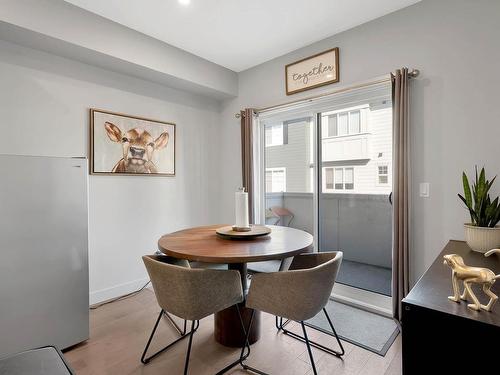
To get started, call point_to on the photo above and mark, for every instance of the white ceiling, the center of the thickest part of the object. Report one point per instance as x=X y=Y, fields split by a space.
x=239 y=34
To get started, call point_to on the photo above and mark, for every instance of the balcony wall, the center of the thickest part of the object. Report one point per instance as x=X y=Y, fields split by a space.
x=352 y=147
x=358 y=224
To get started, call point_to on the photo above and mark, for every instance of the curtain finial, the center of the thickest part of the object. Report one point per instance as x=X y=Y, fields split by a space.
x=414 y=73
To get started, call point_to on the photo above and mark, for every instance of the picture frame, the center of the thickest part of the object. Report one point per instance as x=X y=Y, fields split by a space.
x=314 y=71
x=127 y=145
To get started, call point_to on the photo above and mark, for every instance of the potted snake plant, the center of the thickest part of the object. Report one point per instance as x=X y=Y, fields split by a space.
x=482 y=233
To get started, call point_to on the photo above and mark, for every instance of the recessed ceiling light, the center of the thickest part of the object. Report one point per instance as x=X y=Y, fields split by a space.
x=184 y=2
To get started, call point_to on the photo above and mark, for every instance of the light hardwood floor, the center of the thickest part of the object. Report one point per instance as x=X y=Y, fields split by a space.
x=118 y=333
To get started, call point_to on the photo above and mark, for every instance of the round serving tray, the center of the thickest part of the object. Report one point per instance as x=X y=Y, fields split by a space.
x=255 y=231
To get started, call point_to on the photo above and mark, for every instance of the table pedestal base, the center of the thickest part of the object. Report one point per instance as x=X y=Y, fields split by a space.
x=228 y=330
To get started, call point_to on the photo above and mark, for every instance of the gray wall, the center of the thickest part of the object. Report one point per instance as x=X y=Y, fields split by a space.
x=454 y=115
x=44 y=106
x=61 y=28
x=299 y=204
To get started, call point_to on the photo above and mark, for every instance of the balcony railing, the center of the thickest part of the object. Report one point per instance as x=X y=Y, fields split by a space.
x=358 y=224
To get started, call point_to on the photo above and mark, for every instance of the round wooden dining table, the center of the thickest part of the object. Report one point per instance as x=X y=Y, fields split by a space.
x=202 y=244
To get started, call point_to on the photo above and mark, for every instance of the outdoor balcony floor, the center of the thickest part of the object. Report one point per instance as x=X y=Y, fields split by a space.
x=365 y=276
x=358 y=275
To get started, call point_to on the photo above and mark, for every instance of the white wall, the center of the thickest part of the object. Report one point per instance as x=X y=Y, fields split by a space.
x=44 y=102
x=454 y=112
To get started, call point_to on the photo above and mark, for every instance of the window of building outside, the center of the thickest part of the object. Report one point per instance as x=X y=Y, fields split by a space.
x=343 y=123
x=339 y=178
x=274 y=135
x=275 y=180
x=383 y=175
x=348 y=178
x=329 y=178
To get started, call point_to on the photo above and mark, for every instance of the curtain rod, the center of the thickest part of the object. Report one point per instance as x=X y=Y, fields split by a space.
x=412 y=74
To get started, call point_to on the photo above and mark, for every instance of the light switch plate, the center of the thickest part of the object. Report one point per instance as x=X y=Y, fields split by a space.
x=424 y=189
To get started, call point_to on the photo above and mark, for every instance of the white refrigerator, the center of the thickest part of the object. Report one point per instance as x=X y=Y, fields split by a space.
x=44 y=287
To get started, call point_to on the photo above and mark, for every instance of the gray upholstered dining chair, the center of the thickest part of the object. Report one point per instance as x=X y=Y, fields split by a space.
x=305 y=261
x=297 y=294
x=190 y=294
x=179 y=262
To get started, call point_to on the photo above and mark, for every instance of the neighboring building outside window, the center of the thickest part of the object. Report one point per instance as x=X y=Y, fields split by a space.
x=274 y=135
x=383 y=175
x=355 y=141
x=275 y=180
x=338 y=178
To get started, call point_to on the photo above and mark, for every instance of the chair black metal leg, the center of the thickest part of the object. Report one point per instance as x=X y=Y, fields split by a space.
x=191 y=333
x=171 y=320
x=145 y=359
x=342 y=351
x=279 y=323
x=281 y=326
x=309 y=348
x=242 y=357
x=245 y=345
x=246 y=334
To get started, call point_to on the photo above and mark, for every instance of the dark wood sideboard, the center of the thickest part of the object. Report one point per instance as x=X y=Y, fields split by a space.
x=438 y=334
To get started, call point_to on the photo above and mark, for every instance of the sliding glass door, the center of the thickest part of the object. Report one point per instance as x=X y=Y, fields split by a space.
x=288 y=172
x=327 y=169
x=355 y=213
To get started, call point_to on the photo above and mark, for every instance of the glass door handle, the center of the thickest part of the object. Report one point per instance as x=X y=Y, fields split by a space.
x=390 y=198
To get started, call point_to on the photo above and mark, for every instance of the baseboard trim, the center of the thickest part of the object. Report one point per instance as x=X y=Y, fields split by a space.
x=106 y=294
x=369 y=301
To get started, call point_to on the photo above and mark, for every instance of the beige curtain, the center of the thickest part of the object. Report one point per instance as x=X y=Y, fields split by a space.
x=247 y=157
x=401 y=187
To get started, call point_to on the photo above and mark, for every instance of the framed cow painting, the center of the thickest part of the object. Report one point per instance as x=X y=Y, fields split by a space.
x=130 y=145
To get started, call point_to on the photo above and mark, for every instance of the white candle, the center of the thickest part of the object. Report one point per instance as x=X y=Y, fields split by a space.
x=241 y=208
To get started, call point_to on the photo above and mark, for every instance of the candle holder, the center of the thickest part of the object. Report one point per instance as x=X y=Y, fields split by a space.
x=248 y=233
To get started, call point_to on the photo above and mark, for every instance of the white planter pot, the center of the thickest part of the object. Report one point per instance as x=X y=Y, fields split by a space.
x=482 y=239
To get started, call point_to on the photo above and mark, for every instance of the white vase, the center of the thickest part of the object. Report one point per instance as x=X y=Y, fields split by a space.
x=482 y=239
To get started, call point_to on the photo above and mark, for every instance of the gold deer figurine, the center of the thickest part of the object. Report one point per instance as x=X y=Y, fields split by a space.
x=470 y=275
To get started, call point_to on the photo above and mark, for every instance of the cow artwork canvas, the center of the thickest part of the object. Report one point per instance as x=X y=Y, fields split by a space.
x=129 y=145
